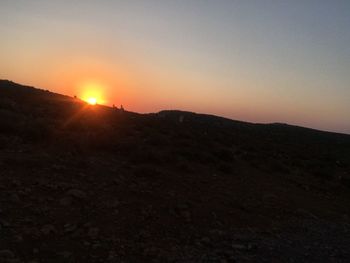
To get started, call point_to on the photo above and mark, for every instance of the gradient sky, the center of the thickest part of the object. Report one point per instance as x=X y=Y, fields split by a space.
x=258 y=61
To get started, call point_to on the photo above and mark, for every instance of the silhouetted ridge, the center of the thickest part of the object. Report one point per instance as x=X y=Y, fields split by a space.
x=83 y=183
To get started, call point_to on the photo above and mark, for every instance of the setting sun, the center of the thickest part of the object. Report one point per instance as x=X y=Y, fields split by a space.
x=92 y=101
x=92 y=92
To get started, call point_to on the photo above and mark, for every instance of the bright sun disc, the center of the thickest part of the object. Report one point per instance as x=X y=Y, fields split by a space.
x=92 y=93
x=91 y=101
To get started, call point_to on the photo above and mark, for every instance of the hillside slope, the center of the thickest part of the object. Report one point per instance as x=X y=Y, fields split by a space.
x=82 y=183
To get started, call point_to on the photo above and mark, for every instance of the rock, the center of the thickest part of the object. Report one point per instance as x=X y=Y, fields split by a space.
x=143 y=234
x=83 y=175
x=66 y=201
x=4 y=223
x=239 y=247
x=18 y=238
x=115 y=204
x=6 y=254
x=112 y=255
x=16 y=183
x=205 y=241
x=306 y=213
x=151 y=251
x=76 y=193
x=14 y=198
x=69 y=228
x=65 y=254
x=93 y=232
x=96 y=245
x=78 y=232
x=58 y=167
x=186 y=215
x=183 y=206
x=48 y=229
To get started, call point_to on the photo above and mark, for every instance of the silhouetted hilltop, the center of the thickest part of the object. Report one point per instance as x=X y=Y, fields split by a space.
x=82 y=183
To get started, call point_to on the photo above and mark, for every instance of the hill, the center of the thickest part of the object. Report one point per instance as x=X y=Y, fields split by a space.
x=82 y=183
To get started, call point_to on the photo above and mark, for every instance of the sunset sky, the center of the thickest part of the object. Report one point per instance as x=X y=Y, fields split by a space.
x=258 y=61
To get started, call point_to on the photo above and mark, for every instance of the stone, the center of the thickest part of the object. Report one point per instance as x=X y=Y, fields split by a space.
x=6 y=254
x=48 y=229
x=112 y=255
x=183 y=206
x=65 y=254
x=69 y=228
x=186 y=215
x=205 y=240
x=18 y=238
x=116 y=203
x=4 y=223
x=76 y=193
x=14 y=198
x=66 y=201
x=93 y=232
x=239 y=246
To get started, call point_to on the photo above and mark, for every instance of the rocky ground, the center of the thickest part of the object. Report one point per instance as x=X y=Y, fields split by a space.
x=83 y=183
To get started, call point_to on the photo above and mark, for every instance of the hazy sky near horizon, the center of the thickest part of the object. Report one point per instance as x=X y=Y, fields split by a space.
x=258 y=61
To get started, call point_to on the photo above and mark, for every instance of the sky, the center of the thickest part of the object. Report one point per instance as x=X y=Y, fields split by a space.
x=251 y=60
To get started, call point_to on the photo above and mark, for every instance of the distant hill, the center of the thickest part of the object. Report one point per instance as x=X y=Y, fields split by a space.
x=82 y=183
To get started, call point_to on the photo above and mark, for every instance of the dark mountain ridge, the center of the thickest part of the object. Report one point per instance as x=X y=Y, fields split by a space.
x=82 y=183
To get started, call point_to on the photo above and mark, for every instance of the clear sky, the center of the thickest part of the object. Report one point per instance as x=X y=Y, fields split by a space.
x=258 y=61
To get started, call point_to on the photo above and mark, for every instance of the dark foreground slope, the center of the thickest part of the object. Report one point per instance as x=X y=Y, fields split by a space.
x=83 y=183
